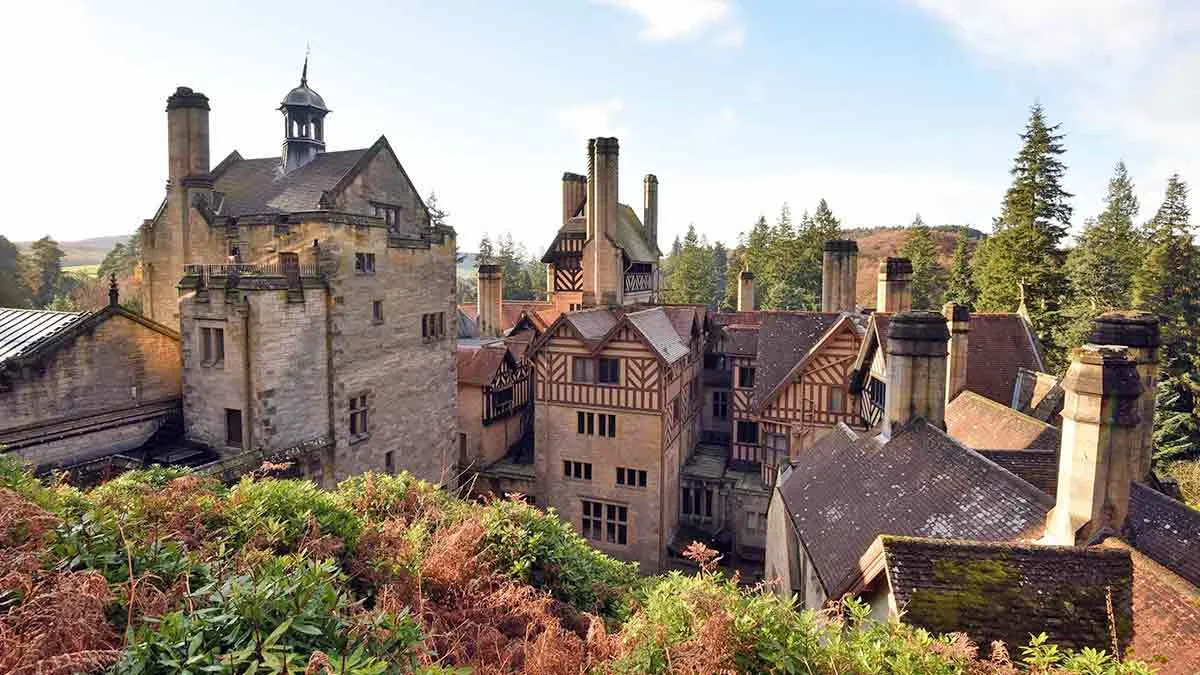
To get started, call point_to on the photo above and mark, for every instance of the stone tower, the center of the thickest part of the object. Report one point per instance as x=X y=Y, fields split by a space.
x=303 y=124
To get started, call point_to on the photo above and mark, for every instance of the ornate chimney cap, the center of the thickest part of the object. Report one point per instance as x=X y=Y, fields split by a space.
x=893 y=267
x=184 y=97
x=651 y=178
x=841 y=246
x=114 y=294
x=956 y=313
x=606 y=146
x=1128 y=328
x=918 y=326
x=1102 y=370
x=569 y=177
x=747 y=275
x=488 y=270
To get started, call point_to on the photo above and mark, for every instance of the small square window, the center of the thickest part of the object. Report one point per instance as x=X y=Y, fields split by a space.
x=364 y=263
x=608 y=371
x=358 y=416
x=583 y=370
x=745 y=377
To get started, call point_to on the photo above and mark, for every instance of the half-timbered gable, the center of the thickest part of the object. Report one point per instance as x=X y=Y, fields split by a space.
x=495 y=395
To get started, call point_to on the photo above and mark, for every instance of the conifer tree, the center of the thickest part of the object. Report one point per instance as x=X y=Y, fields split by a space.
x=14 y=291
x=928 y=276
x=1167 y=285
x=961 y=288
x=45 y=271
x=1023 y=256
x=1103 y=263
x=692 y=280
x=437 y=215
x=720 y=259
x=487 y=254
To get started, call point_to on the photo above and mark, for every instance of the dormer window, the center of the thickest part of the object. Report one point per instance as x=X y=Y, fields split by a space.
x=389 y=213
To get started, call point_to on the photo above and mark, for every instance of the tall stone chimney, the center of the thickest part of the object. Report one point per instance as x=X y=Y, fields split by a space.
x=1100 y=428
x=650 y=208
x=958 y=320
x=574 y=191
x=607 y=265
x=745 y=298
x=187 y=134
x=839 y=275
x=894 y=291
x=491 y=296
x=916 y=370
x=1138 y=333
x=590 y=208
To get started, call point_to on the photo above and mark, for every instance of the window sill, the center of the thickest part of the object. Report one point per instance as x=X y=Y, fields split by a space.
x=377 y=322
x=218 y=365
x=355 y=440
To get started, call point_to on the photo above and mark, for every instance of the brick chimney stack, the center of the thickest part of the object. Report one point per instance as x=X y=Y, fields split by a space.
x=1138 y=333
x=958 y=320
x=491 y=294
x=1100 y=429
x=894 y=291
x=187 y=134
x=608 y=272
x=745 y=297
x=916 y=370
x=650 y=208
x=839 y=275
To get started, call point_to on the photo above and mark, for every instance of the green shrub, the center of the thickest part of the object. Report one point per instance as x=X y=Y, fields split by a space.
x=540 y=549
x=275 y=513
x=274 y=618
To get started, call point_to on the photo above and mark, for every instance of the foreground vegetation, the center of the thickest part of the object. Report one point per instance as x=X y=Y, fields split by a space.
x=162 y=572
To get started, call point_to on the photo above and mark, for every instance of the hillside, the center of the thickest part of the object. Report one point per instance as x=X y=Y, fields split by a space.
x=160 y=571
x=82 y=252
x=877 y=243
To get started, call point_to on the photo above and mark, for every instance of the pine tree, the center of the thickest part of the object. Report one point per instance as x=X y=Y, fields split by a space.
x=692 y=280
x=1167 y=284
x=486 y=255
x=437 y=215
x=824 y=225
x=14 y=291
x=1023 y=254
x=1103 y=263
x=928 y=277
x=510 y=257
x=45 y=271
x=961 y=288
x=720 y=273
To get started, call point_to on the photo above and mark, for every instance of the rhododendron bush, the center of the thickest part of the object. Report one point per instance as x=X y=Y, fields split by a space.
x=160 y=571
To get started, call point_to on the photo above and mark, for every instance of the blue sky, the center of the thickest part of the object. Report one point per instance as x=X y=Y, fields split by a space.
x=885 y=107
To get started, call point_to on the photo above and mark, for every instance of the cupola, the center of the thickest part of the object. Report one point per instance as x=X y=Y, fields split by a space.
x=303 y=124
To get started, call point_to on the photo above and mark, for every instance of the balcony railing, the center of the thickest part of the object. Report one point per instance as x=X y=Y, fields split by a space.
x=636 y=282
x=251 y=270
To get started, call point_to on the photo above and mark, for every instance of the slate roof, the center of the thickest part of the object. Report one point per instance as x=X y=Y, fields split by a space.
x=1166 y=615
x=477 y=365
x=849 y=489
x=629 y=234
x=1008 y=592
x=511 y=310
x=741 y=340
x=997 y=346
x=1166 y=530
x=783 y=339
x=983 y=424
x=592 y=324
x=258 y=186
x=658 y=330
x=23 y=331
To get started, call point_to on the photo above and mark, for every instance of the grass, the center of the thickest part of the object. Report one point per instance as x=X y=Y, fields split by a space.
x=82 y=270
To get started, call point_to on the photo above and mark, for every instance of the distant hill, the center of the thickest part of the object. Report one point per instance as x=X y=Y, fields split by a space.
x=877 y=243
x=83 y=252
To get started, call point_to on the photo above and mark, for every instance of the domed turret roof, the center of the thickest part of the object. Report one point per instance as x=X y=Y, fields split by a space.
x=302 y=95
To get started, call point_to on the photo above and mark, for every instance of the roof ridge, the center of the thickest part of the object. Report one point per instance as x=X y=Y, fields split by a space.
x=1042 y=496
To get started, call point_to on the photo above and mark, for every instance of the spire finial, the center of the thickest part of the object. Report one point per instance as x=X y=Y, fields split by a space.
x=113 y=293
x=304 y=73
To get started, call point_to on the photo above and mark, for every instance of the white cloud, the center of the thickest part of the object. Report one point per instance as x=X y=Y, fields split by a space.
x=591 y=119
x=1125 y=66
x=666 y=20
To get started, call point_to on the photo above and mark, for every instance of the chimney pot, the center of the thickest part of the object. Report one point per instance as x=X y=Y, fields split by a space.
x=894 y=291
x=958 y=320
x=839 y=275
x=745 y=297
x=491 y=299
x=1139 y=333
x=916 y=370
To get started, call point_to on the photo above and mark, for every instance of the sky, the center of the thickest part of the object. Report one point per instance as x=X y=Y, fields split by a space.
x=886 y=108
